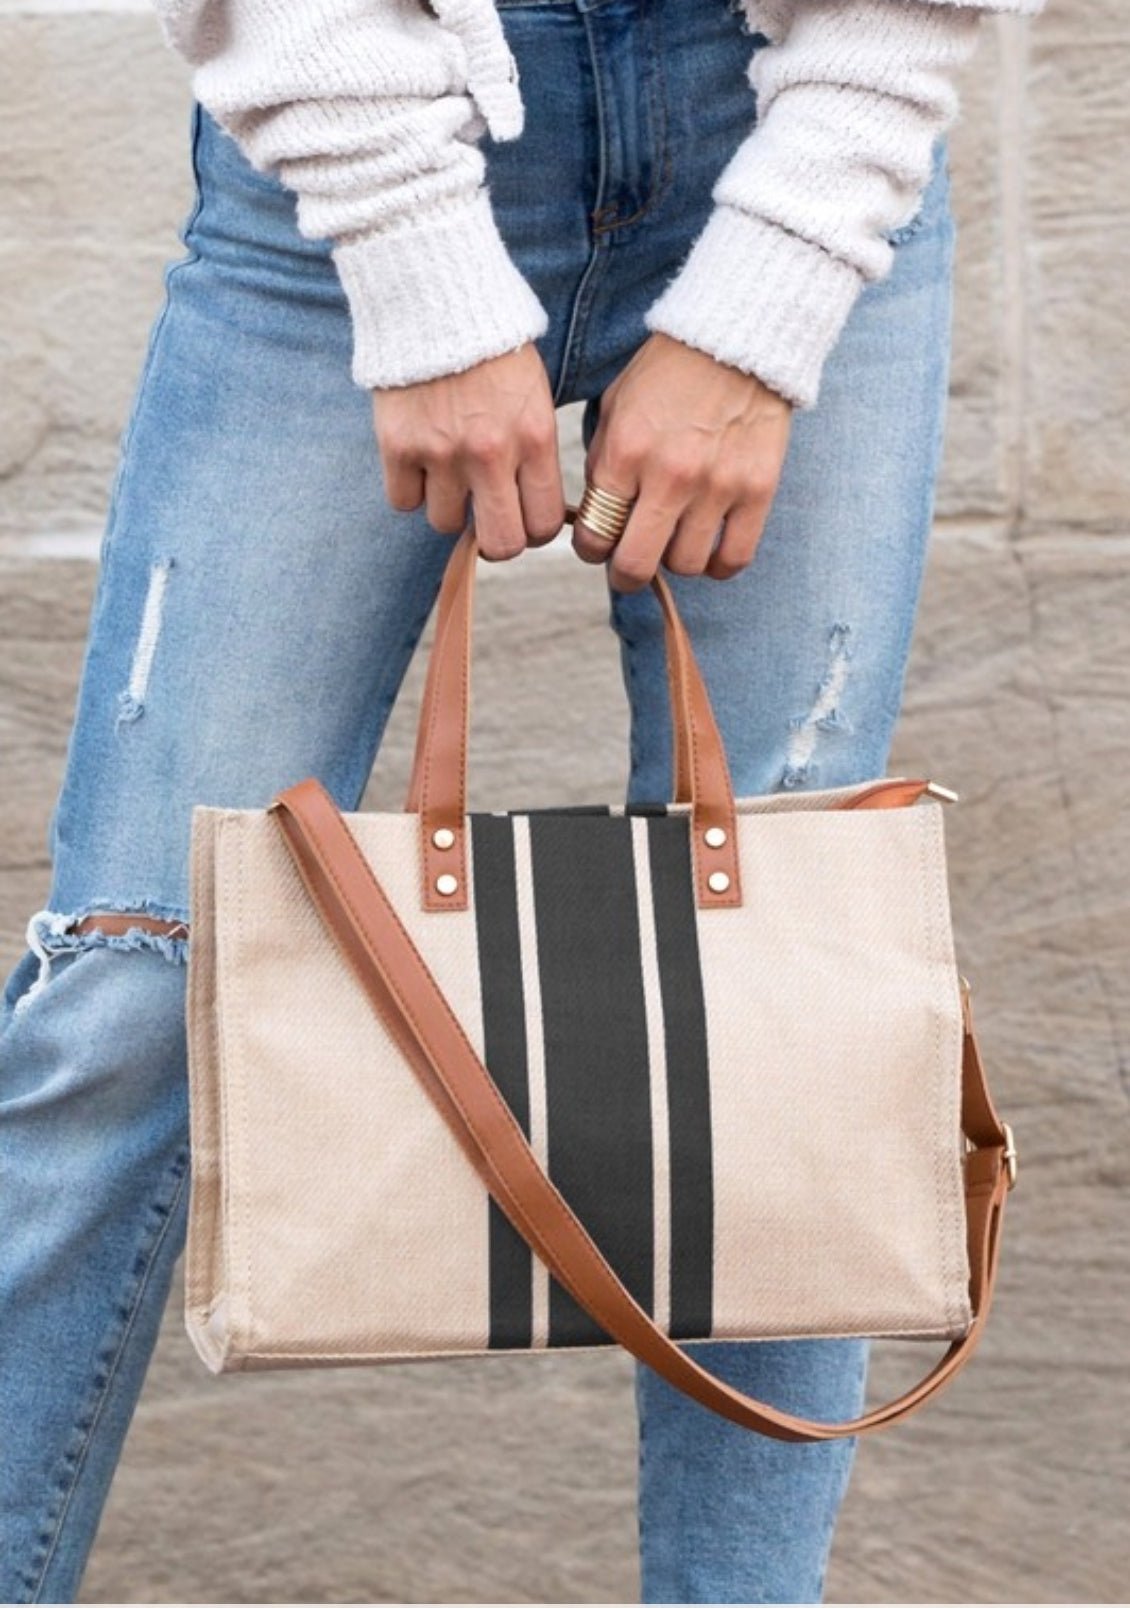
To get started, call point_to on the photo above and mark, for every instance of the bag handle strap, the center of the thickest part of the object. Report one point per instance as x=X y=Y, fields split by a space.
x=406 y=997
x=438 y=791
x=455 y=591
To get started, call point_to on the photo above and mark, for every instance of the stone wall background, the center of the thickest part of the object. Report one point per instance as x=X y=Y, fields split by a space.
x=512 y=1481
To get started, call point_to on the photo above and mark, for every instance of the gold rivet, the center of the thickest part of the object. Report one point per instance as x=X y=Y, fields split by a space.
x=443 y=838
x=718 y=881
x=714 y=837
x=447 y=884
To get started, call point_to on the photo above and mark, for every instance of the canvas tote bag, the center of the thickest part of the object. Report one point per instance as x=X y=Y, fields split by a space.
x=464 y=1083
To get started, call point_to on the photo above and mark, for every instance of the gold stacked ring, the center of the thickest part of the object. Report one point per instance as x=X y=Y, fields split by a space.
x=604 y=513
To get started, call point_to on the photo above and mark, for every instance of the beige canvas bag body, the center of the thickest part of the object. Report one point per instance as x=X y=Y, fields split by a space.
x=464 y=1083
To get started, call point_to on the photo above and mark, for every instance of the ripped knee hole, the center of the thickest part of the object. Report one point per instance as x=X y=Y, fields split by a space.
x=116 y=923
x=51 y=933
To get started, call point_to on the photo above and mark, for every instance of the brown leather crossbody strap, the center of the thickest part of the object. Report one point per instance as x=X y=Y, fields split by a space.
x=417 y=1015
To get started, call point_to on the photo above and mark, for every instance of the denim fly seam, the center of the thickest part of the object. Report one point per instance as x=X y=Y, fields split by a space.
x=634 y=162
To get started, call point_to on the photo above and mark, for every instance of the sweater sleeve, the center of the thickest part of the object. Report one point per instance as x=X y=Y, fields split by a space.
x=851 y=97
x=370 y=111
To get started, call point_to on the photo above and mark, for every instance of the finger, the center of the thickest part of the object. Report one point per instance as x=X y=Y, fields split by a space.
x=637 y=554
x=587 y=543
x=403 y=483
x=446 y=495
x=690 y=548
x=541 y=493
x=741 y=534
x=401 y=471
x=498 y=516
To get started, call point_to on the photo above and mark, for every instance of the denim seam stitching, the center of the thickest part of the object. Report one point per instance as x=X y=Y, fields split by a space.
x=572 y=363
x=180 y=1171
x=907 y=231
x=192 y=256
x=117 y=486
x=929 y=204
x=657 y=101
x=583 y=297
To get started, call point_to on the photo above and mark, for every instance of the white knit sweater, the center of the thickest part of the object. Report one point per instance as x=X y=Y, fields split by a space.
x=371 y=110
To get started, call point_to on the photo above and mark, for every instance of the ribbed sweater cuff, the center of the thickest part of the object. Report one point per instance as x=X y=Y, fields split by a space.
x=764 y=300
x=435 y=298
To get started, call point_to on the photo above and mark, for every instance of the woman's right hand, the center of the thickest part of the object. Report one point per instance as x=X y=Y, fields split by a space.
x=488 y=432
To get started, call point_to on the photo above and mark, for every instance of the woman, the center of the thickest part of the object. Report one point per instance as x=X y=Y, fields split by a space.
x=752 y=294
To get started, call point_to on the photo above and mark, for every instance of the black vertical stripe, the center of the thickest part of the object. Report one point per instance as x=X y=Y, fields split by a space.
x=566 y=809
x=688 y=1078
x=598 y=1092
x=504 y=1046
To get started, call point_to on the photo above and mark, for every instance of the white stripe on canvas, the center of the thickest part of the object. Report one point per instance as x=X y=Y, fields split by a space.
x=535 y=1052
x=657 y=1063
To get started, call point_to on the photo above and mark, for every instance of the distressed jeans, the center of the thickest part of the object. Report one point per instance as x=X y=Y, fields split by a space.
x=257 y=603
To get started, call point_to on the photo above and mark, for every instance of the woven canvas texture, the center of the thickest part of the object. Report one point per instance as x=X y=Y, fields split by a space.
x=754 y=1110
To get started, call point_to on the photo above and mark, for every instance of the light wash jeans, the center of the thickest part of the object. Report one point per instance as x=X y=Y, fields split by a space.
x=257 y=604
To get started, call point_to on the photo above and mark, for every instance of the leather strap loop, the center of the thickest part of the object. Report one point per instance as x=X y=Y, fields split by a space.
x=408 y=1000
x=438 y=788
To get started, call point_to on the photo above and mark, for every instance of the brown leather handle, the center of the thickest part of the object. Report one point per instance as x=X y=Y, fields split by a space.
x=408 y=1000
x=438 y=789
x=451 y=590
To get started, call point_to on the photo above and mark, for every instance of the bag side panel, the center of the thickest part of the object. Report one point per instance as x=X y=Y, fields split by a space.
x=204 y=1256
x=834 y=1028
x=356 y=1224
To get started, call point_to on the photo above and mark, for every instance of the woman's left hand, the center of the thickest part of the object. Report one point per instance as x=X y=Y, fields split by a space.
x=700 y=446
